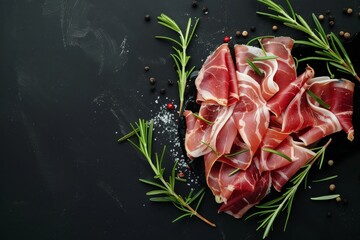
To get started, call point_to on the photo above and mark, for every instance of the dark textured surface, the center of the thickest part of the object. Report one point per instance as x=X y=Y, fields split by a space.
x=72 y=79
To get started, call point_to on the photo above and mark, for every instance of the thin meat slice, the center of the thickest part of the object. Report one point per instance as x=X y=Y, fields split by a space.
x=282 y=175
x=281 y=47
x=267 y=161
x=242 y=200
x=305 y=116
x=278 y=103
x=267 y=67
x=338 y=95
x=202 y=136
x=216 y=82
x=251 y=114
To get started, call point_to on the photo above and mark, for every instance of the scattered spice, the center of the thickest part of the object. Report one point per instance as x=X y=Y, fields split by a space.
x=274 y=28
x=147 y=17
x=328 y=12
x=226 y=39
x=349 y=11
x=331 y=23
x=194 y=4
x=321 y=17
x=152 y=80
x=238 y=33
x=180 y=174
x=162 y=91
x=347 y=35
x=244 y=33
x=338 y=199
x=341 y=33
x=331 y=18
x=332 y=187
x=330 y=162
x=205 y=10
x=170 y=82
x=146 y=68
x=328 y=214
x=170 y=106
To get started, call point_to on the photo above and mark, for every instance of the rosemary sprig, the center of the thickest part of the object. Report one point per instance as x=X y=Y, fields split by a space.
x=165 y=190
x=180 y=56
x=272 y=209
x=254 y=67
x=330 y=50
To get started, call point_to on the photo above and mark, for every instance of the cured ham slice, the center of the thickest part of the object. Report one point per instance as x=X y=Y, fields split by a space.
x=267 y=67
x=244 y=197
x=200 y=135
x=281 y=47
x=282 y=175
x=216 y=82
x=251 y=114
x=281 y=100
x=247 y=122
x=338 y=94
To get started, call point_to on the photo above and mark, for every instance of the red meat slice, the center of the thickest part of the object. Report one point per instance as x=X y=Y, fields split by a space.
x=216 y=82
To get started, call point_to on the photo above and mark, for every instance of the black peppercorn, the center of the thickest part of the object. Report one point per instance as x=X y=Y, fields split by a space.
x=238 y=33
x=253 y=28
x=162 y=91
x=152 y=80
x=328 y=12
x=205 y=10
x=194 y=4
x=147 y=17
x=170 y=82
x=331 y=23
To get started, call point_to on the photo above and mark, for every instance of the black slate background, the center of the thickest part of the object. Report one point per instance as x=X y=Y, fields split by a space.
x=71 y=81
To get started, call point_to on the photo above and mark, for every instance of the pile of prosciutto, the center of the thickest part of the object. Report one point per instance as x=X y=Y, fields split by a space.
x=242 y=113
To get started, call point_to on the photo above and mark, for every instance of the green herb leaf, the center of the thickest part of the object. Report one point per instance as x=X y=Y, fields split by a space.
x=325 y=179
x=254 y=67
x=277 y=153
x=325 y=197
x=317 y=99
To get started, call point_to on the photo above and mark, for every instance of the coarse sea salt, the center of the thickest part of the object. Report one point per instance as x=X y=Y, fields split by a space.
x=166 y=132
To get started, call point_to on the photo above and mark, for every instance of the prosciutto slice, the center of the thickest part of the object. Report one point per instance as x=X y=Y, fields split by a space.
x=243 y=116
x=267 y=67
x=216 y=82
